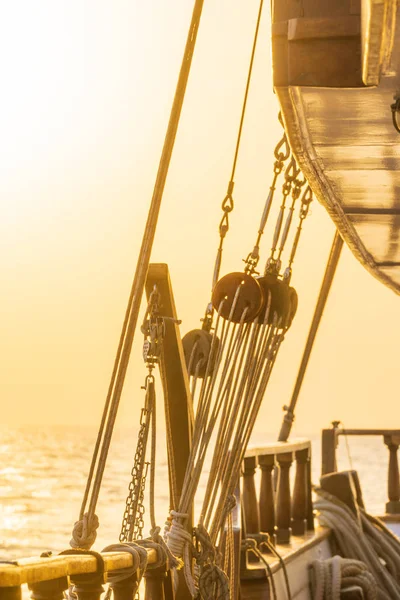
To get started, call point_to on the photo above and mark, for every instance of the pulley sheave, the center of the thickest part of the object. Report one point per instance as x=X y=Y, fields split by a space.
x=200 y=348
x=236 y=292
x=280 y=304
x=294 y=302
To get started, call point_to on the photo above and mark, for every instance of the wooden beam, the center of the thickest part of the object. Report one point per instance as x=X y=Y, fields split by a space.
x=178 y=404
x=34 y=570
x=177 y=398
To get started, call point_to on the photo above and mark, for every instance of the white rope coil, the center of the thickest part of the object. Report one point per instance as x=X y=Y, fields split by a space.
x=364 y=539
x=334 y=575
x=179 y=543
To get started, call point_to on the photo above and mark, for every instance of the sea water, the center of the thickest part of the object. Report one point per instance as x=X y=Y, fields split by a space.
x=43 y=473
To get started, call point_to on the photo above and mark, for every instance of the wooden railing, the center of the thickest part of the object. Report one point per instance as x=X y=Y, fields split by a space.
x=48 y=577
x=391 y=438
x=276 y=510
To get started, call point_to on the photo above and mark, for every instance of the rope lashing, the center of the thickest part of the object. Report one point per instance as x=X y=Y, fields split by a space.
x=332 y=576
x=130 y=576
x=365 y=539
x=110 y=410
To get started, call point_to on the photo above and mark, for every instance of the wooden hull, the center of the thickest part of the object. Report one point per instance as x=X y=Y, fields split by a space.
x=336 y=70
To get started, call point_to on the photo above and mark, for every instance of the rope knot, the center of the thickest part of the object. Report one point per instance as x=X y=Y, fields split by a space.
x=213 y=583
x=84 y=533
x=173 y=561
x=176 y=535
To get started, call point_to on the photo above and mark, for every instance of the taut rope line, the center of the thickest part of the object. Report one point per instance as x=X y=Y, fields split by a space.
x=131 y=316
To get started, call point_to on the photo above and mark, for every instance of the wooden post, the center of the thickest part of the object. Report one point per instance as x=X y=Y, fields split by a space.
x=154 y=584
x=250 y=504
x=88 y=587
x=300 y=495
x=11 y=593
x=53 y=589
x=178 y=402
x=283 y=508
x=329 y=445
x=393 y=506
x=310 y=508
x=267 y=500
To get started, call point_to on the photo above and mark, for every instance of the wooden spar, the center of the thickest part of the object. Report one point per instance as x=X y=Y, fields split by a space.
x=177 y=397
x=319 y=309
x=129 y=327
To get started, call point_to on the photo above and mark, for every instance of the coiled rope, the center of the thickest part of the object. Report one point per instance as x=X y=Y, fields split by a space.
x=332 y=576
x=363 y=538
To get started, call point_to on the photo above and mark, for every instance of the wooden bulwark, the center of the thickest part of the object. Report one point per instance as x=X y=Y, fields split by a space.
x=278 y=513
x=34 y=570
x=391 y=438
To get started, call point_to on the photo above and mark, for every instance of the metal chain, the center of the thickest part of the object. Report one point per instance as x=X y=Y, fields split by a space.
x=273 y=264
x=153 y=330
x=306 y=200
x=281 y=153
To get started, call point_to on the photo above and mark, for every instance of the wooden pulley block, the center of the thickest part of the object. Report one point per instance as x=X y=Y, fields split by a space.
x=247 y=292
x=199 y=343
x=280 y=299
x=294 y=302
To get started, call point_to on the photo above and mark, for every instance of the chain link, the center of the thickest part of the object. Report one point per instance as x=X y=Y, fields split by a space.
x=153 y=330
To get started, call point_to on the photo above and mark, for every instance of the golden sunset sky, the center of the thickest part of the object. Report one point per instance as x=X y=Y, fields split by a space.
x=87 y=89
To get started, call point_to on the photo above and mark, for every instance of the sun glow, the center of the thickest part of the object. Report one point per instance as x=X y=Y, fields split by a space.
x=87 y=88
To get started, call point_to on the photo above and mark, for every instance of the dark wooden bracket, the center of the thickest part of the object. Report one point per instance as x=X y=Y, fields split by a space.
x=177 y=397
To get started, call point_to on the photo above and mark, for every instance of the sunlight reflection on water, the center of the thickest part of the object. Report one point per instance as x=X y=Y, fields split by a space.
x=42 y=482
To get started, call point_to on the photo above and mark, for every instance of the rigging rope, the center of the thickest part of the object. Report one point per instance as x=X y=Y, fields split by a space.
x=228 y=202
x=365 y=539
x=102 y=445
x=234 y=364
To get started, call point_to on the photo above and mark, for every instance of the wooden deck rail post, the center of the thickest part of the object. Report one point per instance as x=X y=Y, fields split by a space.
x=49 y=590
x=300 y=495
x=154 y=584
x=267 y=500
x=329 y=445
x=393 y=506
x=87 y=587
x=283 y=504
x=250 y=504
x=11 y=593
x=310 y=508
